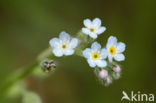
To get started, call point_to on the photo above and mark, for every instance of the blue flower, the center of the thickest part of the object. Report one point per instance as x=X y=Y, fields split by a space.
x=64 y=45
x=115 y=49
x=93 y=28
x=95 y=56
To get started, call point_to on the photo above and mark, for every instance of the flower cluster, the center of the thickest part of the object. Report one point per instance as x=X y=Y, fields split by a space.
x=102 y=58
x=96 y=58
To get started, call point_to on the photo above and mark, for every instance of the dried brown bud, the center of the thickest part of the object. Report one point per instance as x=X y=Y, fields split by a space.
x=48 y=65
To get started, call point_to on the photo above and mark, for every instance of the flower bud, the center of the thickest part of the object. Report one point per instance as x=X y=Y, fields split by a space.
x=117 y=69
x=108 y=81
x=103 y=74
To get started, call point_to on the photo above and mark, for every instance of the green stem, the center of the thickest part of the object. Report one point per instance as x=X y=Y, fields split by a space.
x=21 y=74
x=14 y=78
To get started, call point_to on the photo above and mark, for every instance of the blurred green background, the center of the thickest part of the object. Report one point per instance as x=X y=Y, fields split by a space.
x=26 y=26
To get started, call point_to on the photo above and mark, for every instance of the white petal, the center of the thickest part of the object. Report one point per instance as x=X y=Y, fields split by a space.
x=69 y=52
x=57 y=52
x=97 y=22
x=86 y=53
x=91 y=63
x=119 y=57
x=101 y=63
x=73 y=43
x=87 y=23
x=54 y=42
x=104 y=53
x=96 y=46
x=111 y=41
x=85 y=31
x=120 y=47
x=110 y=58
x=64 y=36
x=93 y=35
x=101 y=30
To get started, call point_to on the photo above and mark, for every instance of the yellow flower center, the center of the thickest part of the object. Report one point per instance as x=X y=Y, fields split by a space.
x=92 y=29
x=95 y=56
x=111 y=50
x=64 y=46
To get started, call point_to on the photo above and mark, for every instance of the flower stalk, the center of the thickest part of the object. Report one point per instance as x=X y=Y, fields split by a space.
x=102 y=59
x=22 y=73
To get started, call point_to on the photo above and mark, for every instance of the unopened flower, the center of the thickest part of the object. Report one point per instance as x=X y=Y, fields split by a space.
x=93 y=28
x=96 y=56
x=108 y=81
x=117 y=69
x=64 y=45
x=117 y=72
x=103 y=74
x=115 y=49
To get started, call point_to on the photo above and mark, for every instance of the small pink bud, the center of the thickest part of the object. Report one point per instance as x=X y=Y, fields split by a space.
x=108 y=81
x=103 y=74
x=117 y=69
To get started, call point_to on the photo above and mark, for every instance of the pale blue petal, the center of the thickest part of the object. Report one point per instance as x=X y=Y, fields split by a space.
x=86 y=53
x=54 y=42
x=104 y=53
x=101 y=30
x=101 y=63
x=94 y=36
x=110 y=58
x=112 y=41
x=120 y=47
x=96 y=46
x=97 y=22
x=91 y=63
x=64 y=36
x=57 y=52
x=69 y=52
x=85 y=31
x=119 y=57
x=74 y=43
x=87 y=23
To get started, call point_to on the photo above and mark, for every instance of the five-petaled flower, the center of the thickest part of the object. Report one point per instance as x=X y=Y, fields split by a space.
x=64 y=45
x=93 y=28
x=115 y=49
x=96 y=56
